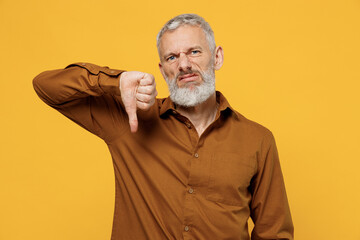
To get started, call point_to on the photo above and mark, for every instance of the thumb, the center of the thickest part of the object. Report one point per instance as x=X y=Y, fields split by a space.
x=133 y=121
x=129 y=101
x=129 y=82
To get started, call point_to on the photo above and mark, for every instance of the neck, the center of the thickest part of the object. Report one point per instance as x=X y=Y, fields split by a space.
x=202 y=115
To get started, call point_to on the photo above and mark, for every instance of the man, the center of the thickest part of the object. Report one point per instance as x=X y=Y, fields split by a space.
x=188 y=166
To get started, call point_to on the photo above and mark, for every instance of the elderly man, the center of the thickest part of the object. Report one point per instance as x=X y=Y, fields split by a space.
x=188 y=166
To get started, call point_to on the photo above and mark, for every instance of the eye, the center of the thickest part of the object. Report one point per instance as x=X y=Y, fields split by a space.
x=194 y=52
x=171 y=58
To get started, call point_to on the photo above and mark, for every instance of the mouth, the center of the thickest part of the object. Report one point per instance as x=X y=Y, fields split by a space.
x=188 y=77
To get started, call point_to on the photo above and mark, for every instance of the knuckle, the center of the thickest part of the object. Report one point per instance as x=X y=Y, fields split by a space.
x=144 y=98
x=147 y=90
x=142 y=106
x=147 y=98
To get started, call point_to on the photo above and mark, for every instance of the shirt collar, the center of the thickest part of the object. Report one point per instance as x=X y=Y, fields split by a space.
x=167 y=106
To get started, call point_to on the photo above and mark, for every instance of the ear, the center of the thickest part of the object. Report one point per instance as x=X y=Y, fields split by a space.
x=161 y=70
x=219 y=58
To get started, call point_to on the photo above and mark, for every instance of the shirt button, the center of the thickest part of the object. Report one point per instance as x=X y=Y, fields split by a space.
x=83 y=64
x=187 y=228
x=188 y=125
x=174 y=112
x=191 y=190
x=112 y=71
x=196 y=155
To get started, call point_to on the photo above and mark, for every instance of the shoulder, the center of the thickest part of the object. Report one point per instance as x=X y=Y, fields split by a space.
x=252 y=128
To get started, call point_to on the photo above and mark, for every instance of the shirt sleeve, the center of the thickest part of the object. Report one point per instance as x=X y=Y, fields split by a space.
x=270 y=210
x=87 y=94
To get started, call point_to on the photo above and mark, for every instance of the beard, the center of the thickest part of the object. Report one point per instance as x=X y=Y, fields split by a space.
x=194 y=94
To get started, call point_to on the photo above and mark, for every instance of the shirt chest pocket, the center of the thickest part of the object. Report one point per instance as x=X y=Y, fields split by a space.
x=230 y=177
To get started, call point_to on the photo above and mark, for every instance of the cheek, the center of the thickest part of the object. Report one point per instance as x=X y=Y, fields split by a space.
x=201 y=64
x=170 y=72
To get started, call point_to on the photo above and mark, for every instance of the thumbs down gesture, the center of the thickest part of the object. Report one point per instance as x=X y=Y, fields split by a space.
x=138 y=91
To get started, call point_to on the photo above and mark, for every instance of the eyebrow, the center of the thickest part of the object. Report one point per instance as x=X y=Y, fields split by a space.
x=190 y=49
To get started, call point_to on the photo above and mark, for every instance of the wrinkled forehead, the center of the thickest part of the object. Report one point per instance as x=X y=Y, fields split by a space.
x=182 y=39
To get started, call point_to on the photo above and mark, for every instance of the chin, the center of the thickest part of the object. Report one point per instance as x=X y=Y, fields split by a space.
x=189 y=85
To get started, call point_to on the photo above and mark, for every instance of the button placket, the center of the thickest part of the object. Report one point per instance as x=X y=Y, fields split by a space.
x=190 y=191
x=188 y=215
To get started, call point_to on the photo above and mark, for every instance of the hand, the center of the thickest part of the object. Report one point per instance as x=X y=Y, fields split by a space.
x=138 y=90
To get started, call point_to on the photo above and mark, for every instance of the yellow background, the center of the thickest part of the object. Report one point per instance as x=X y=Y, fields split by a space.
x=293 y=66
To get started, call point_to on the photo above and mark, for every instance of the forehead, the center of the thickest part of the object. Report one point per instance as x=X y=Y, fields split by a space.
x=182 y=39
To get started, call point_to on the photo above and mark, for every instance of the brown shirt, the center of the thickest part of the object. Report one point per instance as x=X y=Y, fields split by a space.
x=171 y=183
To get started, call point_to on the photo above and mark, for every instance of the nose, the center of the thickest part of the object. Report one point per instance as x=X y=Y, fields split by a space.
x=184 y=63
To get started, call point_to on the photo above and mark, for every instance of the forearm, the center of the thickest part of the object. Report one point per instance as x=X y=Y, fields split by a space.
x=87 y=94
x=79 y=80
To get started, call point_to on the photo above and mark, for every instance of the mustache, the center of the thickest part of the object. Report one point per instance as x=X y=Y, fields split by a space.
x=182 y=73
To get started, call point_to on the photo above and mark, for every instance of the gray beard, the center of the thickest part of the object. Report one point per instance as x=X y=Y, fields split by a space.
x=187 y=97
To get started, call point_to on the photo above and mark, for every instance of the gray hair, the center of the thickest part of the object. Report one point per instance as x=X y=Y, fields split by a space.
x=189 y=19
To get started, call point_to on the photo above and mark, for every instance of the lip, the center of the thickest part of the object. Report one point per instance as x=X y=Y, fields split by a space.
x=188 y=77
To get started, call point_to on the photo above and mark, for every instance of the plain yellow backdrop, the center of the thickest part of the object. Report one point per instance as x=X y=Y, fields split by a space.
x=292 y=66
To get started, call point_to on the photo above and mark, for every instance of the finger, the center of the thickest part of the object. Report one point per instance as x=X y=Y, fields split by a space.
x=144 y=97
x=148 y=89
x=133 y=121
x=148 y=79
x=129 y=100
x=155 y=93
x=144 y=106
x=151 y=102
